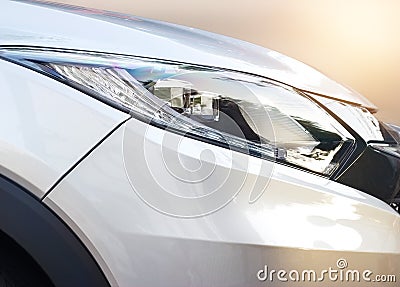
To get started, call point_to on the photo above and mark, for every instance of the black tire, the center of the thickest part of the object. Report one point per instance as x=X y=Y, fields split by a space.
x=17 y=267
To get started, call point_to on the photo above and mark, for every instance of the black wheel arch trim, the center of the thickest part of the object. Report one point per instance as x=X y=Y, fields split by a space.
x=53 y=245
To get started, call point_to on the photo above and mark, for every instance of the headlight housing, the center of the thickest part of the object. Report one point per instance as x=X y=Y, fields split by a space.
x=245 y=113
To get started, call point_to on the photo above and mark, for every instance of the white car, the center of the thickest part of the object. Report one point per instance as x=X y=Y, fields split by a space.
x=140 y=153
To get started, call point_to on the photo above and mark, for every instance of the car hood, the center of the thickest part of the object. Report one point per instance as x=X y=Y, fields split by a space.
x=45 y=24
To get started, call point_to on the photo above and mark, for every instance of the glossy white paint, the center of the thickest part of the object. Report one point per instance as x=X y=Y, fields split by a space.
x=103 y=199
x=46 y=127
x=93 y=30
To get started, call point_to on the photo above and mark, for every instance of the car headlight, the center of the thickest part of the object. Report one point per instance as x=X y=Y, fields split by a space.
x=246 y=113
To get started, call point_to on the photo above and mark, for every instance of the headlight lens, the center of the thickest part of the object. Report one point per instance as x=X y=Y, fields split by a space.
x=246 y=113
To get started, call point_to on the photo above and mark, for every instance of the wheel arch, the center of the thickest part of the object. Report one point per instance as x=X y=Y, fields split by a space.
x=49 y=241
